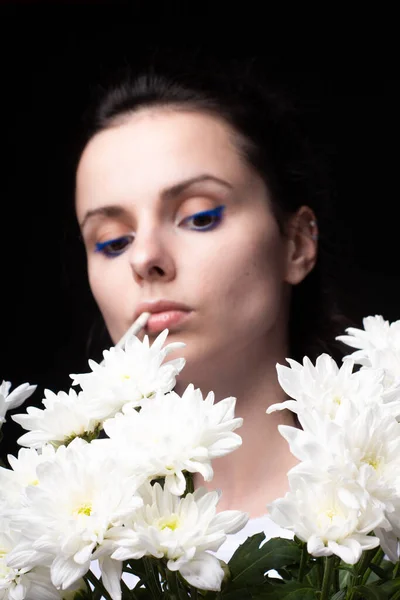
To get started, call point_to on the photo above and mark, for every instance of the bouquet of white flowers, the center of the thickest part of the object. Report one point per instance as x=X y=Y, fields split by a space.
x=100 y=501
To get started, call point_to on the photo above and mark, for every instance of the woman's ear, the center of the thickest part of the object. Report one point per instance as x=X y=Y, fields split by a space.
x=302 y=245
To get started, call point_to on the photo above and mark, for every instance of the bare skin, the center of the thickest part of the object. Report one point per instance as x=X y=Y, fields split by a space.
x=233 y=270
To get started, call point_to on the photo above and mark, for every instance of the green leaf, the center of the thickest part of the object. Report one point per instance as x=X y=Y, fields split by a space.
x=250 y=562
x=241 y=594
x=293 y=591
x=285 y=574
x=379 y=590
x=314 y=572
x=391 y=586
x=345 y=575
x=339 y=595
x=207 y=595
x=371 y=592
x=288 y=591
x=388 y=568
x=140 y=594
x=379 y=571
x=347 y=568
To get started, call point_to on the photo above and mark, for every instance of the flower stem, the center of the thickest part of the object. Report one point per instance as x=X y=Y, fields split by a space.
x=189 y=483
x=336 y=580
x=303 y=563
x=97 y=584
x=330 y=563
x=173 y=585
x=361 y=571
x=151 y=579
x=376 y=560
x=396 y=569
x=194 y=593
x=319 y=572
x=363 y=564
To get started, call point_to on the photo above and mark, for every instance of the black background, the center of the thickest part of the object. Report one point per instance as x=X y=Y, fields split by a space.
x=342 y=68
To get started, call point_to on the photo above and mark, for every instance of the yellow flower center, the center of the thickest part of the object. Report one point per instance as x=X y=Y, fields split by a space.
x=84 y=509
x=171 y=522
x=371 y=460
x=337 y=400
x=326 y=518
x=34 y=482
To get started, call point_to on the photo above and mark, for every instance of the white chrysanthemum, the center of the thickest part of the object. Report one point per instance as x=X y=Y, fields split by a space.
x=127 y=376
x=377 y=346
x=361 y=458
x=32 y=583
x=387 y=360
x=364 y=451
x=377 y=334
x=70 y=514
x=182 y=531
x=65 y=417
x=14 y=399
x=23 y=472
x=335 y=392
x=317 y=514
x=175 y=434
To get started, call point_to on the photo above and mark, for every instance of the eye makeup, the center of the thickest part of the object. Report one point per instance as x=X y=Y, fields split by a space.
x=206 y=219
x=114 y=247
x=200 y=221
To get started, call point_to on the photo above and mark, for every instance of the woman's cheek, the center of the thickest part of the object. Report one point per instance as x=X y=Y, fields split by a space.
x=103 y=285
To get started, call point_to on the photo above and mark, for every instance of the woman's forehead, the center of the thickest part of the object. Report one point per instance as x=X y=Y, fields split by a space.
x=151 y=131
x=154 y=151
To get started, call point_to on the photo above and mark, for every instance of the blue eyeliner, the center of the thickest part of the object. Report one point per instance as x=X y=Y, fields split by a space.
x=101 y=245
x=215 y=212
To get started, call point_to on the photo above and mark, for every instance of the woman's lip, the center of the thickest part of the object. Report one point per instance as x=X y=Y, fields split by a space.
x=167 y=319
x=159 y=306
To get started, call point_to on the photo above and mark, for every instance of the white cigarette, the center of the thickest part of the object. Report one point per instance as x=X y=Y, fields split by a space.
x=134 y=329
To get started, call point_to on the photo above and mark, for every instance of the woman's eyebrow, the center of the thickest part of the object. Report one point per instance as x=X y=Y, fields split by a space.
x=180 y=187
x=113 y=211
x=117 y=212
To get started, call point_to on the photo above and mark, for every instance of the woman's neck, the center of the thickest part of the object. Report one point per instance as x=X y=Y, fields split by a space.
x=256 y=473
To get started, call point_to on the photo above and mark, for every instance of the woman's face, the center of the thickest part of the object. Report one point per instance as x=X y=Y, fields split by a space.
x=170 y=211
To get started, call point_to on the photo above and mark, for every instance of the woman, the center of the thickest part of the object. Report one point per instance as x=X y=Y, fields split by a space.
x=199 y=200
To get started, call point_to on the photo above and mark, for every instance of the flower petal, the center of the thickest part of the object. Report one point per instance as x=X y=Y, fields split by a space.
x=203 y=572
x=111 y=571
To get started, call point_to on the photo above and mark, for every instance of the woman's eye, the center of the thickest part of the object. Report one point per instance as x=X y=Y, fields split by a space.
x=115 y=247
x=205 y=220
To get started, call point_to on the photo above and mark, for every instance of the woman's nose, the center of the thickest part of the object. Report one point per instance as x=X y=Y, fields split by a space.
x=151 y=257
